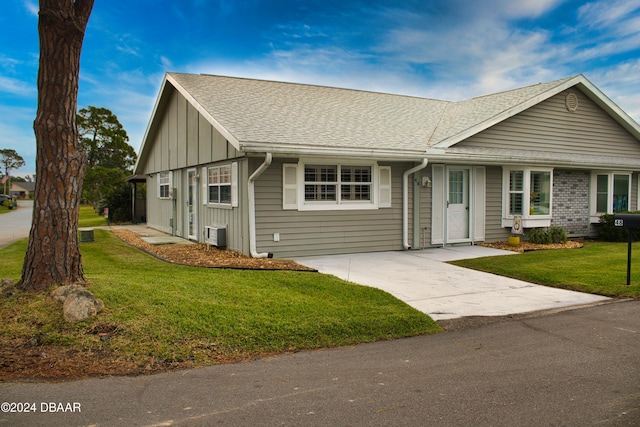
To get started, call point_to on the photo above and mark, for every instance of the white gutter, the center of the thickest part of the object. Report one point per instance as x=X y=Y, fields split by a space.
x=405 y=201
x=252 y=208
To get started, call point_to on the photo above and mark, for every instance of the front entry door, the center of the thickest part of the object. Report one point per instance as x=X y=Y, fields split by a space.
x=192 y=205
x=457 y=204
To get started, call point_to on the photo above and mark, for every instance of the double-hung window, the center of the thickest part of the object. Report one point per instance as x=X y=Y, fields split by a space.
x=219 y=184
x=528 y=195
x=610 y=193
x=319 y=185
x=337 y=184
x=164 y=185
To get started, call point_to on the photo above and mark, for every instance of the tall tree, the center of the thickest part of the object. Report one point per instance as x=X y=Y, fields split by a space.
x=10 y=159
x=104 y=139
x=53 y=254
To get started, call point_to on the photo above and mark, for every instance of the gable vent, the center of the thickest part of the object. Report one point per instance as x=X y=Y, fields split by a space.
x=571 y=101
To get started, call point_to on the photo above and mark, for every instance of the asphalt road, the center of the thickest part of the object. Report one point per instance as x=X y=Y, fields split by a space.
x=576 y=367
x=16 y=224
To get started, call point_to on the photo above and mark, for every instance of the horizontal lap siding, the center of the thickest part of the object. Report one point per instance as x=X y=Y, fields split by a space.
x=549 y=126
x=493 y=219
x=324 y=232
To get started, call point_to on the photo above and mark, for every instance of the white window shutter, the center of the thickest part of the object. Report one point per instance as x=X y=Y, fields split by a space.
x=289 y=186
x=479 y=202
x=438 y=202
x=234 y=184
x=204 y=181
x=384 y=186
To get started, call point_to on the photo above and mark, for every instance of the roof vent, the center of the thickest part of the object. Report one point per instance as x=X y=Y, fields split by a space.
x=571 y=101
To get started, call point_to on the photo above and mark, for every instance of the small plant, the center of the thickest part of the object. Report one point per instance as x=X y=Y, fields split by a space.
x=540 y=236
x=558 y=235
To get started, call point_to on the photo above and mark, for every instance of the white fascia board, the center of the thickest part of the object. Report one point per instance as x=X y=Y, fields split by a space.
x=510 y=160
x=300 y=150
x=232 y=139
x=446 y=143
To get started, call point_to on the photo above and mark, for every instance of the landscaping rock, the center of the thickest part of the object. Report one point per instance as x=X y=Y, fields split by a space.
x=78 y=303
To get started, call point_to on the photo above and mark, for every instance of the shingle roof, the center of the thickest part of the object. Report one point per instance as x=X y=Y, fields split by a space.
x=257 y=111
x=464 y=115
x=259 y=114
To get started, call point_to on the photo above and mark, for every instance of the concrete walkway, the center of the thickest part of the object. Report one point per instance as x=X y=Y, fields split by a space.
x=424 y=280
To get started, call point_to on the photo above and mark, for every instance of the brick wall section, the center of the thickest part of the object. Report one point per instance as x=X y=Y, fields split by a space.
x=571 y=201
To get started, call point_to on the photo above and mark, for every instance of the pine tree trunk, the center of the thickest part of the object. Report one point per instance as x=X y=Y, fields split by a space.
x=53 y=254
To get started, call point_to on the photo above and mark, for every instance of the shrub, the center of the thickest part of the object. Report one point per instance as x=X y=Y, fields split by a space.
x=608 y=232
x=118 y=200
x=540 y=236
x=558 y=235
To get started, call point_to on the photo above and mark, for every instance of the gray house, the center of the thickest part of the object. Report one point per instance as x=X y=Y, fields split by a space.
x=269 y=168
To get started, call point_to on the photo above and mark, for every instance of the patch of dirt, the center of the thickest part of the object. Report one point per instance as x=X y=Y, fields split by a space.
x=202 y=255
x=526 y=246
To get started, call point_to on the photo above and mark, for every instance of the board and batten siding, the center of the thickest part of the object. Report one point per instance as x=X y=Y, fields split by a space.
x=235 y=219
x=160 y=212
x=550 y=126
x=304 y=233
x=179 y=139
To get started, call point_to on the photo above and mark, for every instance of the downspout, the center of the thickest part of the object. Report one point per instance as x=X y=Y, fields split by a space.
x=405 y=201
x=252 y=208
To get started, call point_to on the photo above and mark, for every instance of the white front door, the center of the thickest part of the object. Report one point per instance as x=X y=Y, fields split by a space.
x=192 y=204
x=457 y=194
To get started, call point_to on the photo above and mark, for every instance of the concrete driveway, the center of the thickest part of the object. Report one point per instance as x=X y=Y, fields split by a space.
x=426 y=282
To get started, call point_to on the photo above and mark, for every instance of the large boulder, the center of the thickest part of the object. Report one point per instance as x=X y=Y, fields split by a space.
x=78 y=303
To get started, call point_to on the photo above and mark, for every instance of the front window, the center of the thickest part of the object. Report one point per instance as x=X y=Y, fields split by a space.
x=219 y=184
x=540 y=196
x=528 y=192
x=611 y=192
x=337 y=183
x=516 y=193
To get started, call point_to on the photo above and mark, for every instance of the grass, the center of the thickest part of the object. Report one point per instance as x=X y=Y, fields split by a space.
x=597 y=268
x=89 y=217
x=168 y=312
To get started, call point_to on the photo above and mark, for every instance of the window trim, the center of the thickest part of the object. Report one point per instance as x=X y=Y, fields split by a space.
x=528 y=220
x=593 y=192
x=169 y=177
x=301 y=204
x=232 y=184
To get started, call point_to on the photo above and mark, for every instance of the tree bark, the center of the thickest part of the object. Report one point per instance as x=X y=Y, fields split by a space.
x=53 y=255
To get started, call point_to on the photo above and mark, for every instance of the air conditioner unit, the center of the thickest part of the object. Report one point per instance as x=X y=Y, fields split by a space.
x=216 y=236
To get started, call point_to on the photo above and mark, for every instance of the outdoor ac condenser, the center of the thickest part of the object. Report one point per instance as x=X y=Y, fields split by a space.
x=216 y=236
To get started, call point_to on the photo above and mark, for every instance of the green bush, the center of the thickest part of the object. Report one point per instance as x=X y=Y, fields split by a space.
x=540 y=236
x=608 y=232
x=558 y=235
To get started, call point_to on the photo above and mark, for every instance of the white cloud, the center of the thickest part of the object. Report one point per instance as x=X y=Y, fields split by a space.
x=31 y=7
x=17 y=87
x=16 y=132
x=608 y=14
x=622 y=84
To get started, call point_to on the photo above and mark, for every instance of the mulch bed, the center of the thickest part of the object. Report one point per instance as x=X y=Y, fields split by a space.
x=527 y=247
x=202 y=255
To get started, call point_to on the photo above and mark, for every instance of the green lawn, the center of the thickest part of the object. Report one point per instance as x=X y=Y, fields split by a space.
x=598 y=268
x=89 y=217
x=167 y=312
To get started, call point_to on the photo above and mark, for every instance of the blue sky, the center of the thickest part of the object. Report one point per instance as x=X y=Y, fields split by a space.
x=443 y=49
